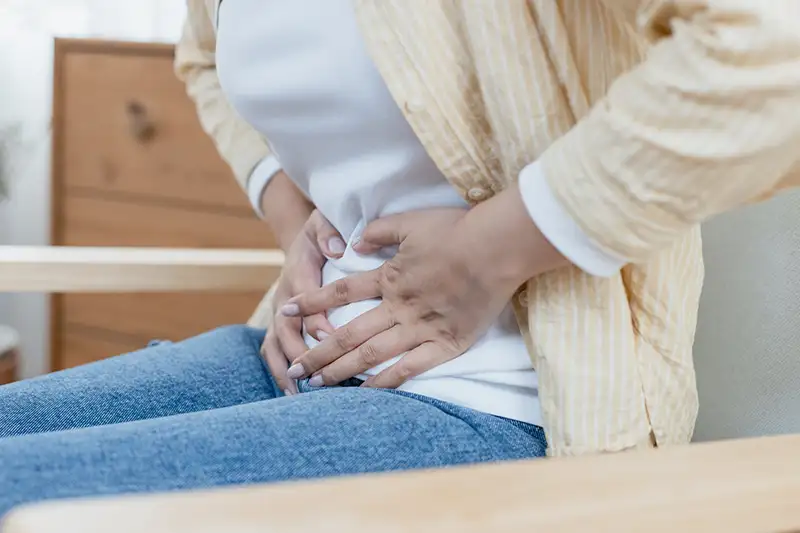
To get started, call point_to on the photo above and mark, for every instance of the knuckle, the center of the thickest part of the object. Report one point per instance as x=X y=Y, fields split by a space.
x=345 y=339
x=369 y=355
x=341 y=291
x=448 y=337
x=391 y=320
x=404 y=371
x=391 y=271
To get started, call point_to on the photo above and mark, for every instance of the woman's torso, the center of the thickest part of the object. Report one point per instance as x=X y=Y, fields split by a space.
x=299 y=73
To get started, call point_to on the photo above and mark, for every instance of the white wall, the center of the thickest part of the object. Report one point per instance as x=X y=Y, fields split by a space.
x=747 y=350
x=27 y=28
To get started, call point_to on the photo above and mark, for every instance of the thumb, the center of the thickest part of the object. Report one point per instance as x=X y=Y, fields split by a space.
x=329 y=240
x=384 y=232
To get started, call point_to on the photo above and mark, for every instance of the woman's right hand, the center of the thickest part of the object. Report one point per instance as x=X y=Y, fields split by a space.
x=302 y=272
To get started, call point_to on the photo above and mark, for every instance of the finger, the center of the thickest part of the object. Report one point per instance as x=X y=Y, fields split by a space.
x=354 y=288
x=328 y=239
x=421 y=359
x=375 y=351
x=278 y=365
x=344 y=340
x=290 y=337
x=383 y=232
x=318 y=326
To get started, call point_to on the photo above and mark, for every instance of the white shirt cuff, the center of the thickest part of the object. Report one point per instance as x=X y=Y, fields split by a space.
x=259 y=179
x=559 y=228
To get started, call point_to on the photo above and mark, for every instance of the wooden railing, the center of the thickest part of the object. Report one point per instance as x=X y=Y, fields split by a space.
x=743 y=486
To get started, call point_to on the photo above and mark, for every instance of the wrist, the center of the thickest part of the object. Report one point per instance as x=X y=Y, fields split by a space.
x=560 y=228
x=285 y=209
x=287 y=234
x=504 y=243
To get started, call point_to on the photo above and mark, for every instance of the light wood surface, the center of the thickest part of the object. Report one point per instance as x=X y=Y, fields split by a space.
x=92 y=221
x=732 y=487
x=159 y=315
x=76 y=269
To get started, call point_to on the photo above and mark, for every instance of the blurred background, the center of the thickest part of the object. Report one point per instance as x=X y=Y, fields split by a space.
x=118 y=141
x=120 y=159
x=27 y=29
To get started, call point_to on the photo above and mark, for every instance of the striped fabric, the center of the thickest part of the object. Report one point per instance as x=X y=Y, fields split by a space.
x=648 y=119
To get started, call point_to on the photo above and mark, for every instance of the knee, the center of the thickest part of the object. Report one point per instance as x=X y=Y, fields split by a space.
x=228 y=345
x=236 y=335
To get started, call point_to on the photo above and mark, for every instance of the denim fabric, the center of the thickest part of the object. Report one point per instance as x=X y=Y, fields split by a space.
x=205 y=412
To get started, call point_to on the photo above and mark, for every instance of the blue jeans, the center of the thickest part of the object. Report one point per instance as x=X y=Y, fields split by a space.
x=205 y=412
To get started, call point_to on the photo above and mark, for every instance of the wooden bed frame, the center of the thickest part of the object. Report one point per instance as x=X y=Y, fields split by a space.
x=742 y=486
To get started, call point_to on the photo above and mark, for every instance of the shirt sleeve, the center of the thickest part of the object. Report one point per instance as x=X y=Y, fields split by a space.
x=259 y=179
x=559 y=228
x=707 y=122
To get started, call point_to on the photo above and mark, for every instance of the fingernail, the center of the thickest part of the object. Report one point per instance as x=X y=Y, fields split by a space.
x=316 y=382
x=296 y=371
x=322 y=335
x=336 y=245
x=356 y=242
x=290 y=310
x=287 y=392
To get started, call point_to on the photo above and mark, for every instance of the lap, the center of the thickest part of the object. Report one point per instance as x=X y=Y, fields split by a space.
x=205 y=412
x=324 y=433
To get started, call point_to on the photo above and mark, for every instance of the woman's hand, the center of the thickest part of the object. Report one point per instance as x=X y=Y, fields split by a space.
x=302 y=272
x=454 y=273
x=437 y=300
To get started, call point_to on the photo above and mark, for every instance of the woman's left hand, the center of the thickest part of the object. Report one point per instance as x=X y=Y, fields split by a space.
x=439 y=295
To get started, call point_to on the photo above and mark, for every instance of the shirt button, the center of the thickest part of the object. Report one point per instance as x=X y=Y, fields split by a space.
x=523 y=297
x=478 y=193
x=415 y=106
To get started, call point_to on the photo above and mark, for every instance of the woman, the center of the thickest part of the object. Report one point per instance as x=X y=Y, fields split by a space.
x=416 y=358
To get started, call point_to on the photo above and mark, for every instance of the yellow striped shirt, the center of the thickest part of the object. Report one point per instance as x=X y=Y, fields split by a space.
x=647 y=116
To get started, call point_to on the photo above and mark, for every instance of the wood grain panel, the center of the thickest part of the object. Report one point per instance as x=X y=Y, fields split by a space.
x=105 y=97
x=8 y=367
x=90 y=221
x=133 y=167
x=171 y=316
x=81 y=346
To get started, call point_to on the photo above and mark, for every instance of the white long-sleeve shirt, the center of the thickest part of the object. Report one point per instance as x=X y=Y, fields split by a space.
x=299 y=73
